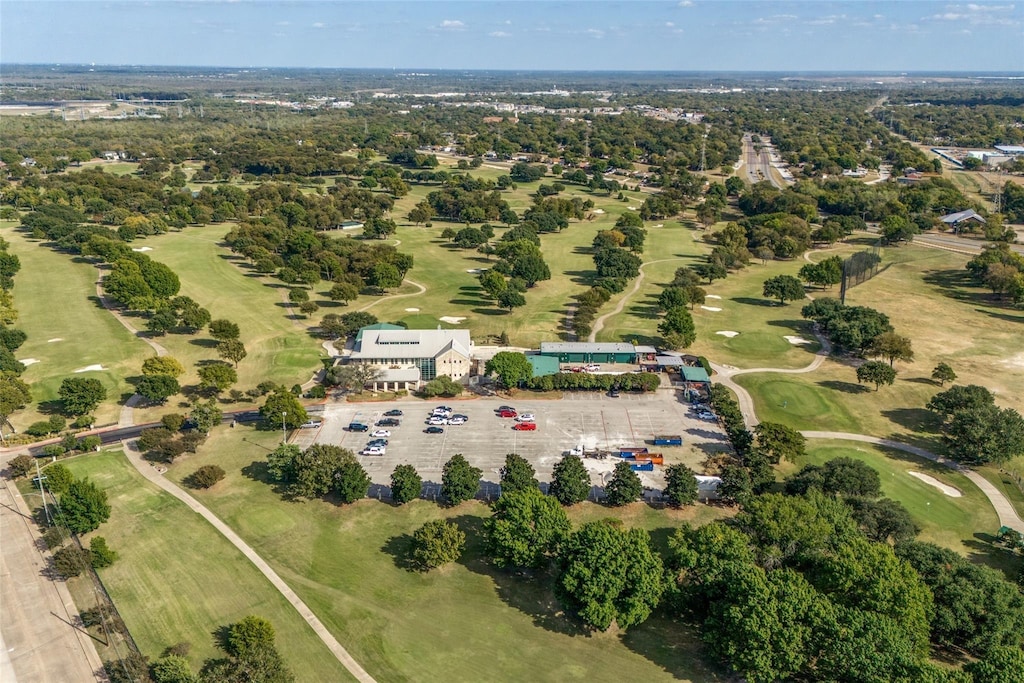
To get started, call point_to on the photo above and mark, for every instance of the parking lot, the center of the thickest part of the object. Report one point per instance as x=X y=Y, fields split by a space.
x=594 y=420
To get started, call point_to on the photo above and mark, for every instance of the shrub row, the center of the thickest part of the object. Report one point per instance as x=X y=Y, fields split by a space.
x=583 y=381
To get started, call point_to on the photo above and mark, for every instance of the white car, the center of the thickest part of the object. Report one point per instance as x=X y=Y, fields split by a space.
x=525 y=417
x=457 y=421
x=437 y=420
x=381 y=433
x=592 y=368
x=374 y=450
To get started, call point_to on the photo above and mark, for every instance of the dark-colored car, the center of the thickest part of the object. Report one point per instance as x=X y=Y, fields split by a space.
x=358 y=427
x=525 y=426
x=613 y=393
x=394 y=413
x=388 y=422
x=434 y=430
x=377 y=442
x=501 y=408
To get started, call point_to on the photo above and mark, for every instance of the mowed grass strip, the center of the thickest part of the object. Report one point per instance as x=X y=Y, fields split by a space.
x=177 y=579
x=463 y=622
x=951 y=522
x=56 y=300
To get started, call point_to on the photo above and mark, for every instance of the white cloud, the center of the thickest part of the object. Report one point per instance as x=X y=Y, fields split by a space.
x=283 y=23
x=319 y=24
x=669 y=24
x=990 y=8
x=686 y=3
x=499 y=34
x=595 y=33
x=452 y=25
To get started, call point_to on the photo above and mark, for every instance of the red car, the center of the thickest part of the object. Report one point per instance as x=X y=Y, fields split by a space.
x=507 y=413
x=525 y=426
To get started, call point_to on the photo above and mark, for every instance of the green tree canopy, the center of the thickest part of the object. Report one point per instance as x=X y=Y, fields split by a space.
x=406 y=484
x=83 y=506
x=459 y=480
x=80 y=395
x=511 y=367
x=525 y=529
x=877 y=373
x=517 y=474
x=570 y=481
x=784 y=288
x=624 y=487
x=437 y=543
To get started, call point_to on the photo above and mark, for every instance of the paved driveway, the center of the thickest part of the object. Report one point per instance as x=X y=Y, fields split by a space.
x=592 y=419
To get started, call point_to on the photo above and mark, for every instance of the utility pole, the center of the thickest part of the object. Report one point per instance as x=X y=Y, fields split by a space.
x=284 y=428
x=42 y=492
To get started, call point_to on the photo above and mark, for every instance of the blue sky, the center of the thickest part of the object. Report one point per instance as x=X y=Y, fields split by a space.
x=761 y=35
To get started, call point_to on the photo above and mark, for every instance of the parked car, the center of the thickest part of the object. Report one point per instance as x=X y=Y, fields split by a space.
x=460 y=416
x=388 y=422
x=456 y=420
x=381 y=432
x=613 y=393
x=374 y=450
x=525 y=426
x=395 y=412
x=434 y=430
x=501 y=408
x=311 y=424
x=358 y=427
x=443 y=409
x=437 y=420
x=525 y=417
x=710 y=417
x=506 y=413
x=593 y=367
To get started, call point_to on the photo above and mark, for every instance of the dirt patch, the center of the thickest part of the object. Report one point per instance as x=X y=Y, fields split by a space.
x=932 y=481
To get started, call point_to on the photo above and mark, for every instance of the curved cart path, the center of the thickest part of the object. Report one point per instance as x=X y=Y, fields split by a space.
x=391 y=297
x=599 y=323
x=1004 y=509
x=147 y=471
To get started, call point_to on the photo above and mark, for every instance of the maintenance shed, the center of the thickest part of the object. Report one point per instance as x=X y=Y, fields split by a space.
x=589 y=352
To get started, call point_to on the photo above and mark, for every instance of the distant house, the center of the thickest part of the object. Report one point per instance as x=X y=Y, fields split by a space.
x=345 y=225
x=410 y=357
x=956 y=220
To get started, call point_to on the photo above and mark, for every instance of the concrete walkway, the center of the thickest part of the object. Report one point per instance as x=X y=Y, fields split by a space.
x=599 y=323
x=147 y=471
x=1007 y=515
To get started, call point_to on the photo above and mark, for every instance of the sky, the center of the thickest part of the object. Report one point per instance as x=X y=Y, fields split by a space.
x=686 y=35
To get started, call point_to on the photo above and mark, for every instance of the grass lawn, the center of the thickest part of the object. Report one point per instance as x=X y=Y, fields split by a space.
x=177 y=579
x=463 y=622
x=965 y=524
x=56 y=300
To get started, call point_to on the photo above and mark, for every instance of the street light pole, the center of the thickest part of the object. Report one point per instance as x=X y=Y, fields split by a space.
x=284 y=427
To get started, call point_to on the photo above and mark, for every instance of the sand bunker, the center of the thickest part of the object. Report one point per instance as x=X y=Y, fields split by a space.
x=55 y=339
x=727 y=333
x=142 y=248
x=660 y=225
x=713 y=309
x=473 y=270
x=796 y=340
x=412 y=310
x=598 y=211
x=631 y=208
x=451 y=319
x=932 y=481
x=29 y=361
x=91 y=368
x=712 y=296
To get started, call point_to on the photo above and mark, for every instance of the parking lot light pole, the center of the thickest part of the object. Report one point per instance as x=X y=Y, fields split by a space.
x=284 y=427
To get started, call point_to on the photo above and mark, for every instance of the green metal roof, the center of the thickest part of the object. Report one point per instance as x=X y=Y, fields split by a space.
x=376 y=326
x=694 y=374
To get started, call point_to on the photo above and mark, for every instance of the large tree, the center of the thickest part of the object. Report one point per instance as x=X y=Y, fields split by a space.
x=784 y=288
x=158 y=388
x=525 y=529
x=943 y=373
x=316 y=470
x=680 y=485
x=351 y=481
x=282 y=409
x=608 y=574
x=80 y=395
x=985 y=434
x=406 y=484
x=217 y=376
x=624 y=487
x=677 y=328
x=163 y=365
x=437 y=543
x=511 y=367
x=570 y=481
x=223 y=330
x=780 y=442
x=517 y=474
x=459 y=480
x=83 y=506
x=892 y=347
x=232 y=350
x=877 y=373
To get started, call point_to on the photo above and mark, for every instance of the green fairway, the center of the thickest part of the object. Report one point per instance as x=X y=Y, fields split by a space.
x=944 y=520
x=464 y=622
x=67 y=328
x=279 y=349
x=177 y=579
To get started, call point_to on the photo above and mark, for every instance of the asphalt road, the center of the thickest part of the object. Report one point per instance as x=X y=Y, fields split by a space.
x=758 y=163
x=961 y=245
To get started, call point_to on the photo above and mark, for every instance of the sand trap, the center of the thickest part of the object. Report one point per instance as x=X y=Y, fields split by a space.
x=473 y=270
x=29 y=361
x=55 y=339
x=451 y=319
x=91 y=368
x=727 y=333
x=142 y=248
x=599 y=211
x=712 y=296
x=713 y=309
x=795 y=340
x=1014 y=361
x=631 y=208
x=932 y=481
x=660 y=225
x=412 y=310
